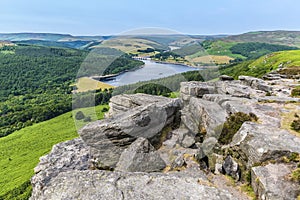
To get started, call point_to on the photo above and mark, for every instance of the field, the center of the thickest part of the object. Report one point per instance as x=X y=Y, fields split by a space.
x=86 y=84
x=131 y=45
x=212 y=59
x=20 y=151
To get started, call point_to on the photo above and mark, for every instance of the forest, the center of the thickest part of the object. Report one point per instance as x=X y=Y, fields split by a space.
x=36 y=81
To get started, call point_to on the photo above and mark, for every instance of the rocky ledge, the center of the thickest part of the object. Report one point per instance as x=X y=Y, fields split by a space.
x=152 y=147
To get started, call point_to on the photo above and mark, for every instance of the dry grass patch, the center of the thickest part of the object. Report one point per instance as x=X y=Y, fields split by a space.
x=87 y=84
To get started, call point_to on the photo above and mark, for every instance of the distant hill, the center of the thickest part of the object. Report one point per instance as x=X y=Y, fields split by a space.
x=290 y=38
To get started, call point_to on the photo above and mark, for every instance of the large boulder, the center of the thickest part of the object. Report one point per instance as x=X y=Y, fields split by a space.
x=108 y=138
x=260 y=143
x=271 y=182
x=201 y=115
x=122 y=103
x=106 y=185
x=140 y=156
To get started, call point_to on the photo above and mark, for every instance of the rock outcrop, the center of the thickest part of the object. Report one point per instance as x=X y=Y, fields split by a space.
x=108 y=138
x=140 y=156
x=128 y=186
x=151 y=147
x=261 y=143
x=271 y=182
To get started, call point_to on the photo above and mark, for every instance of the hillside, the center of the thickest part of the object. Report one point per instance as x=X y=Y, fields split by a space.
x=288 y=60
x=290 y=38
x=20 y=151
x=38 y=81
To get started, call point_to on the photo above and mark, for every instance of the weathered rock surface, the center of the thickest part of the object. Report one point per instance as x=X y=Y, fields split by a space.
x=145 y=133
x=201 y=114
x=140 y=156
x=122 y=103
x=114 y=185
x=65 y=156
x=271 y=182
x=255 y=83
x=110 y=137
x=231 y=168
x=263 y=142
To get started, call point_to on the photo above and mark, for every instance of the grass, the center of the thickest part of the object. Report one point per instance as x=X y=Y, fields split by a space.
x=130 y=45
x=212 y=59
x=86 y=84
x=288 y=117
x=289 y=60
x=222 y=48
x=20 y=151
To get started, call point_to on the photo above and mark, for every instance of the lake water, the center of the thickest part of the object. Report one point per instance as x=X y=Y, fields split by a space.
x=151 y=70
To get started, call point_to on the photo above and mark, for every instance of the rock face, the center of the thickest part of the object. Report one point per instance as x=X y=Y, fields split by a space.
x=128 y=186
x=140 y=156
x=110 y=137
x=262 y=142
x=231 y=168
x=66 y=156
x=271 y=182
x=116 y=158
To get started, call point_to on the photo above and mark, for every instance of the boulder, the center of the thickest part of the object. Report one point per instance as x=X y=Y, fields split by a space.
x=122 y=103
x=108 y=138
x=271 y=182
x=255 y=83
x=231 y=168
x=140 y=156
x=196 y=89
x=181 y=136
x=204 y=115
x=226 y=78
x=233 y=88
x=260 y=143
x=65 y=156
x=107 y=185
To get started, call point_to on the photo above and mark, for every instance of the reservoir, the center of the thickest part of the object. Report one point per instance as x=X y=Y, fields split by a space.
x=151 y=70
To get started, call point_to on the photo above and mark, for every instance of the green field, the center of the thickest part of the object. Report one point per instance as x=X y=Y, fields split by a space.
x=20 y=151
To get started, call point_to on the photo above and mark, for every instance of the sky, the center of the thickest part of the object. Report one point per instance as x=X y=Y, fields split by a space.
x=110 y=17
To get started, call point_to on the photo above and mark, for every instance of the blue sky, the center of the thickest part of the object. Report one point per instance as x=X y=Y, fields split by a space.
x=105 y=17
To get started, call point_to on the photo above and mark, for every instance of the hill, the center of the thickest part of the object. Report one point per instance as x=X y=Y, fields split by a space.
x=290 y=38
x=20 y=151
x=287 y=61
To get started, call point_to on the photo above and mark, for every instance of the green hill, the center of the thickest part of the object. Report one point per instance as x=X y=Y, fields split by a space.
x=288 y=60
x=290 y=38
x=20 y=151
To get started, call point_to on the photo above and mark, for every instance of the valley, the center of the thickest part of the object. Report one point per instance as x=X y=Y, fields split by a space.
x=49 y=75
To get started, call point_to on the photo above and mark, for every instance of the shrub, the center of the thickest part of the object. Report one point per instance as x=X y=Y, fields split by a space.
x=233 y=124
x=87 y=119
x=295 y=92
x=104 y=109
x=79 y=115
x=296 y=125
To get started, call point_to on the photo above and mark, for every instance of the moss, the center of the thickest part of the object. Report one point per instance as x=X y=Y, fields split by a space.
x=248 y=190
x=233 y=124
x=296 y=175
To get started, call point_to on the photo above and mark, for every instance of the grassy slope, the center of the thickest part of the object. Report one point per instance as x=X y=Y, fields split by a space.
x=265 y=64
x=20 y=151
